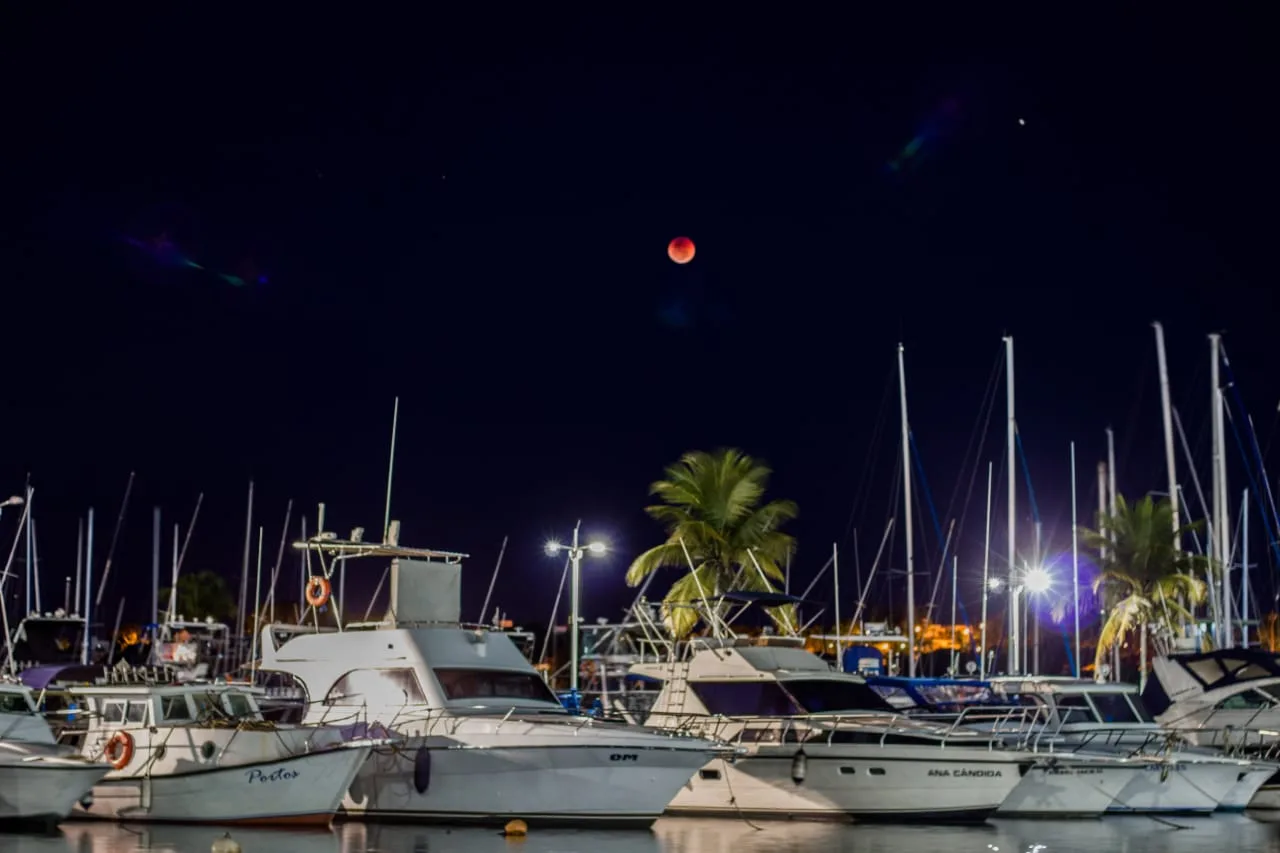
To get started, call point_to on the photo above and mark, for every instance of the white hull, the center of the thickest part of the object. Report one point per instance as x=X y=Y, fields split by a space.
x=45 y=791
x=844 y=782
x=542 y=783
x=1068 y=789
x=305 y=789
x=1242 y=793
x=1189 y=787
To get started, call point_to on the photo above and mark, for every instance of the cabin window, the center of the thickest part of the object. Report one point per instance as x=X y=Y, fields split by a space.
x=174 y=709
x=206 y=706
x=377 y=687
x=136 y=713
x=1114 y=708
x=831 y=696
x=239 y=705
x=1270 y=690
x=493 y=684
x=14 y=703
x=112 y=712
x=1074 y=708
x=1140 y=708
x=1249 y=700
x=746 y=699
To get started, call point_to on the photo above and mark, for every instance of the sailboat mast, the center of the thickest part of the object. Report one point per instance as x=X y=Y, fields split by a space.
x=1011 y=440
x=1166 y=411
x=155 y=565
x=986 y=582
x=244 y=569
x=1075 y=560
x=1220 y=537
x=906 y=500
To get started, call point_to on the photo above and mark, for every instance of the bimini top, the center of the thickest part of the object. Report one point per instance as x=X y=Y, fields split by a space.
x=1180 y=677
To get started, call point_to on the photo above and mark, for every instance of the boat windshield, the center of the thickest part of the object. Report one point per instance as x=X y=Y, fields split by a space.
x=829 y=696
x=1116 y=708
x=787 y=699
x=14 y=702
x=469 y=684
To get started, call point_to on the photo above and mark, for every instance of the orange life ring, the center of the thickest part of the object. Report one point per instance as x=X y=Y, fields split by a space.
x=119 y=750
x=318 y=590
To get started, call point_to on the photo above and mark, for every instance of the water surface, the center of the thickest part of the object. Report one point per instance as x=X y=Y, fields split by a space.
x=1220 y=834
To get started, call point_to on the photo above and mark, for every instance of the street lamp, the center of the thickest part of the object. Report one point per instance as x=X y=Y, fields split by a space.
x=1035 y=581
x=13 y=501
x=576 y=550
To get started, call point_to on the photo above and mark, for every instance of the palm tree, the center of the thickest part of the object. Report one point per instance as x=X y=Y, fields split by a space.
x=713 y=503
x=1145 y=581
x=202 y=594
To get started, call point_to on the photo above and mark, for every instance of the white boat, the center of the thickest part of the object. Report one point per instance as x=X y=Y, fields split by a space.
x=1111 y=719
x=201 y=753
x=820 y=744
x=40 y=781
x=1064 y=783
x=1229 y=700
x=485 y=738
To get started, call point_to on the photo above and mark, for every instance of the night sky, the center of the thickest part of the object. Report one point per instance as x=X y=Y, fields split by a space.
x=476 y=219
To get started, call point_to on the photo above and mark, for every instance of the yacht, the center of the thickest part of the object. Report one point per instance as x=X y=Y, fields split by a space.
x=1087 y=716
x=40 y=782
x=1228 y=699
x=820 y=743
x=485 y=739
x=201 y=753
x=1067 y=783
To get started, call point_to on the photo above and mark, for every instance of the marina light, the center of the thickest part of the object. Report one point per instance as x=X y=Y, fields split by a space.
x=597 y=548
x=1038 y=580
x=994 y=584
x=13 y=501
x=553 y=548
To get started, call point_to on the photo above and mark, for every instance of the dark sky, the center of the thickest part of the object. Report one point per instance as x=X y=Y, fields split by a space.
x=475 y=217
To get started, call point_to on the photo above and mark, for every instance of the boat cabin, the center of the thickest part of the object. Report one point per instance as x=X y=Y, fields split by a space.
x=19 y=717
x=1211 y=693
x=115 y=707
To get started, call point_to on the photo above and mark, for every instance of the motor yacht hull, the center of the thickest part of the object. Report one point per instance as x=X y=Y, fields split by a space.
x=545 y=784
x=45 y=792
x=1186 y=787
x=853 y=782
x=303 y=789
x=1242 y=794
x=1065 y=787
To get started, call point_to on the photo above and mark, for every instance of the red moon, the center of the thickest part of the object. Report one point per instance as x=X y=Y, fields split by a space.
x=680 y=250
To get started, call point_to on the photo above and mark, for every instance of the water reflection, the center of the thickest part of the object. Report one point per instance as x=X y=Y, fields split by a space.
x=1236 y=834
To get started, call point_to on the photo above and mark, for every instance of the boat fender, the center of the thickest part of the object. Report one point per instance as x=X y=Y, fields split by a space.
x=422 y=770
x=119 y=750
x=799 y=767
x=226 y=844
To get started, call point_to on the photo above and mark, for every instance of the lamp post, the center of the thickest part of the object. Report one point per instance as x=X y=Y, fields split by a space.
x=576 y=550
x=1036 y=581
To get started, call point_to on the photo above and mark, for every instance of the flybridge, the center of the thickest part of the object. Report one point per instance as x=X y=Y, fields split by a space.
x=426 y=584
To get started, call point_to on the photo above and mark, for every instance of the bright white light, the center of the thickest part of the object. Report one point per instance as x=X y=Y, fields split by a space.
x=13 y=501
x=553 y=548
x=596 y=548
x=993 y=584
x=1038 y=580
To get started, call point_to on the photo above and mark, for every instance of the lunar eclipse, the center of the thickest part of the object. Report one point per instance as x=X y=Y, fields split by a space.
x=680 y=250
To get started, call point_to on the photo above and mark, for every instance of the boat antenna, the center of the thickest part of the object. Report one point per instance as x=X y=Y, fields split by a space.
x=115 y=537
x=391 y=467
x=493 y=580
